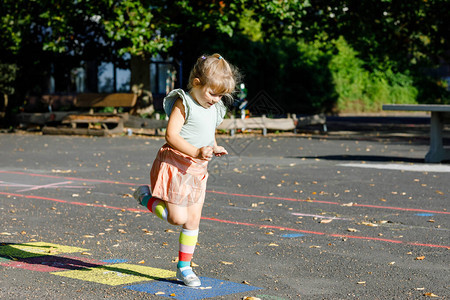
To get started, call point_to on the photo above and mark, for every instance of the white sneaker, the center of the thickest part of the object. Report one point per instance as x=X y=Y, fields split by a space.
x=141 y=192
x=188 y=277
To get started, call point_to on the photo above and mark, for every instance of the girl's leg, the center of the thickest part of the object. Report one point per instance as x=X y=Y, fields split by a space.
x=155 y=205
x=188 y=241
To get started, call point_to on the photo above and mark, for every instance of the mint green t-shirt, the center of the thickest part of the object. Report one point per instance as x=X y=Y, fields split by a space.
x=200 y=125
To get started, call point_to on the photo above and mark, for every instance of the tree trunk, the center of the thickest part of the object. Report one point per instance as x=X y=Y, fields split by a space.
x=140 y=72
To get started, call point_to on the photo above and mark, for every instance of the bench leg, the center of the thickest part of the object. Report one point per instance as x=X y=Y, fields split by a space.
x=437 y=152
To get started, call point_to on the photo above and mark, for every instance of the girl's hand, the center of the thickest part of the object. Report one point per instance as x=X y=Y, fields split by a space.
x=205 y=153
x=219 y=151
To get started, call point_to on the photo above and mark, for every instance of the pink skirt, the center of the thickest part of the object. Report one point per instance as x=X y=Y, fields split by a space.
x=178 y=178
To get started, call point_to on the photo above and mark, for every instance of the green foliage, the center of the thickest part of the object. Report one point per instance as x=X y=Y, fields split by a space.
x=361 y=90
x=7 y=78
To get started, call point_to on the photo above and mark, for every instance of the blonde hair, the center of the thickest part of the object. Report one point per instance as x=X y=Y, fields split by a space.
x=216 y=72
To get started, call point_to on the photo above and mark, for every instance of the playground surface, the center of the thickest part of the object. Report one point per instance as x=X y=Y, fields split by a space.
x=335 y=216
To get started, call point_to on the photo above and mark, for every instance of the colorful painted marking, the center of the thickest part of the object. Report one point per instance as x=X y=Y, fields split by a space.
x=210 y=288
x=117 y=274
x=424 y=215
x=293 y=235
x=35 y=249
x=49 y=263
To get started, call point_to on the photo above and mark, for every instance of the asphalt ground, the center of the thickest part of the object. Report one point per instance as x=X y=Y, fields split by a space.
x=352 y=214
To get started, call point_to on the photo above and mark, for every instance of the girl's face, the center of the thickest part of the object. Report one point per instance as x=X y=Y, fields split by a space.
x=205 y=95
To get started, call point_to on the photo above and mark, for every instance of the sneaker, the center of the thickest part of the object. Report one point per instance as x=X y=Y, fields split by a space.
x=188 y=277
x=141 y=192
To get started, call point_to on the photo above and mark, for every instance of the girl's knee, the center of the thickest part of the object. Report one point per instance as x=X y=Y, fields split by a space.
x=176 y=220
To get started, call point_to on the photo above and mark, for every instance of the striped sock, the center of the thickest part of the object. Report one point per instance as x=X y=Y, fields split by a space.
x=188 y=240
x=156 y=206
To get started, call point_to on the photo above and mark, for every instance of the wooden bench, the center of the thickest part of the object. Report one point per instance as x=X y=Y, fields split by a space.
x=440 y=114
x=92 y=101
x=264 y=123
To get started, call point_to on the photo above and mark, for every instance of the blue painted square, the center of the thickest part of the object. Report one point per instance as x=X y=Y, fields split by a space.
x=115 y=261
x=293 y=235
x=210 y=288
x=424 y=215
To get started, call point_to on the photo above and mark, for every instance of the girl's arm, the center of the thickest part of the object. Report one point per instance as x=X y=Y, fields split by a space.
x=173 y=138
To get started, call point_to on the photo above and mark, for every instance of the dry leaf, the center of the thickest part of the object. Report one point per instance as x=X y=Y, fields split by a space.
x=361 y=282
x=226 y=263
x=23 y=232
x=246 y=282
x=420 y=258
x=315 y=246
x=159 y=293
x=391 y=263
x=369 y=224
x=251 y=298
x=205 y=287
x=172 y=295
x=169 y=230
x=193 y=264
x=431 y=295
x=85 y=253
x=325 y=221
x=88 y=236
x=352 y=230
x=347 y=204
x=141 y=262
x=273 y=245
x=269 y=232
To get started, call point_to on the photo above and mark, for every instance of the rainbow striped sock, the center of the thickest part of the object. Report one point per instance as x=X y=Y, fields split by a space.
x=156 y=206
x=188 y=240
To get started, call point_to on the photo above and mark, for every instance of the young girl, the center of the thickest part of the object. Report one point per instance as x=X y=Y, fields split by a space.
x=179 y=173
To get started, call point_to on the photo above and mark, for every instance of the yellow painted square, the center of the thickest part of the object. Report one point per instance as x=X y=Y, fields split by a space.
x=35 y=249
x=117 y=274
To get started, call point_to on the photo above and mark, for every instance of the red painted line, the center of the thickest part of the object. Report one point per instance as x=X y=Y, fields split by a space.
x=333 y=203
x=235 y=222
x=238 y=195
x=69 y=178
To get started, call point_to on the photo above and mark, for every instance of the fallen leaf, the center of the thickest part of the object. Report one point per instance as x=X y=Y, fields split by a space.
x=273 y=245
x=269 y=232
x=420 y=258
x=369 y=224
x=431 y=295
x=315 y=246
x=347 y=204
x=205 y=287
x=75 y=195
x=141 y=262
x=169 y=230
x=88 y=236
x=325 y=221
x=439 y=192
x=391 y=263
x=159 y=293
x=361 y=282
x=121 y=231
x=226 y=263
x=172 y=295
x=23 y=232
x=193 y=264
x=85 y=253
x=246 y=282
x=165 y=244
x=352 y=230
x=420 y=289
x=251 y=298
